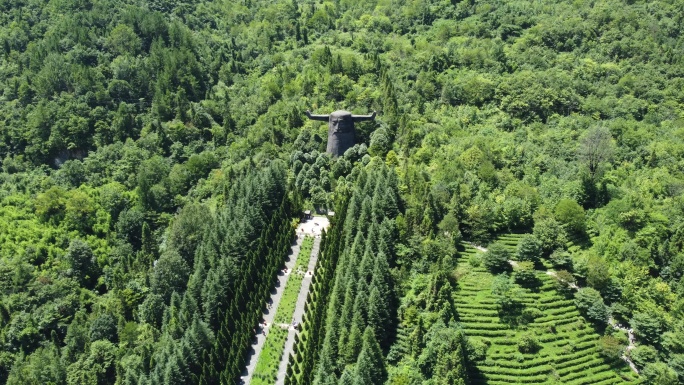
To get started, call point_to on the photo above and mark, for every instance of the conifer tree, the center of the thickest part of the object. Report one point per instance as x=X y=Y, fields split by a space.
x=77 y=337
x=325 y=374
x=347 y=378
x=370 y=367
x=443 y=358
x=196 y=340
x=351 y=217
x=366 y=216
x=188 y=310
x=377 y=314
x=353 y=345
x=365 y=267
x=416 y=338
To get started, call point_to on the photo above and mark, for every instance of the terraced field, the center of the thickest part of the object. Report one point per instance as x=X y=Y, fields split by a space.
x=568 y=353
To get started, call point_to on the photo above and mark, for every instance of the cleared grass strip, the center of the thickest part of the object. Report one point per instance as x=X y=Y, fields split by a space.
x=305 y=252
x=270 y=357
x=267 y=366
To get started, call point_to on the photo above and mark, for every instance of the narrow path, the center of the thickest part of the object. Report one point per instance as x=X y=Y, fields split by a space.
x=630 y=346
x=511 y=262
x=270 y=311
x=299 y=311
x=482 y=249
x=614 y=325
x=554 y=275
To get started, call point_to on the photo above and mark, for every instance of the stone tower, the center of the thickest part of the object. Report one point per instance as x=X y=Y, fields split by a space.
x=341 y=130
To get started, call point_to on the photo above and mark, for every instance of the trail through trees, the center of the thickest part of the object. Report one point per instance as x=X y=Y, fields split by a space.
x=311 y=227
x=299 y=311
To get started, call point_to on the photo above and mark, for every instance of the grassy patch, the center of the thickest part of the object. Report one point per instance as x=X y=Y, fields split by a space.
x=294 y=284
x=304 y=253
x=269 y=360
x=271 y=355
x=289 y=299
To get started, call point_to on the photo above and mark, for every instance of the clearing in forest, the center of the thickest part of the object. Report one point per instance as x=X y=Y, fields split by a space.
x=567 y=351
x=272 y=358
x=271 y=355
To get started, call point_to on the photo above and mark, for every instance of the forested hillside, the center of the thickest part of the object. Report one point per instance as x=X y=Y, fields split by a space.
x=155 y=156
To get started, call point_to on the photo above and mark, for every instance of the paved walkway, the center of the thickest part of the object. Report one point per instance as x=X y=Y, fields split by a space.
x=269 y=313
x=312 y=227
x=298 y=313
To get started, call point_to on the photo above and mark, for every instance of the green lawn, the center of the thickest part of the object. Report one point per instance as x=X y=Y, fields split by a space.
x=294 y=284
x=269 y=360
x=568 y=353
x=303 y=258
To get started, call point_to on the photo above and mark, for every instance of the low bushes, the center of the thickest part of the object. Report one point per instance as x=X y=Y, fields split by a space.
x=611 y=348
x=528 y=344
x=496 y=258
x=524 y=274
x=269 y=360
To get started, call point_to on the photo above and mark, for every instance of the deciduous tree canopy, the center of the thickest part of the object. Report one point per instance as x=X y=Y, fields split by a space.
x=154 y=155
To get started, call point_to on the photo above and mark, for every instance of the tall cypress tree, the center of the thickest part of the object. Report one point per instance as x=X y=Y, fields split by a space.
x=377 y=314
x=347 y=378
x=326 y=367
x=370 y=367
x=353 y=345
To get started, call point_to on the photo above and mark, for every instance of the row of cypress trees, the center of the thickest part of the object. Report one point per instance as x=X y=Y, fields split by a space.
x=212 y=290
x=228 y=353
x=346 y=344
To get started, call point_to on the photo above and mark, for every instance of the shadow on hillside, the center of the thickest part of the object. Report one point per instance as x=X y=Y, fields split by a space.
x=618 y=366
x=511 y=314
x=582 y=240
x=534 y=285
x=476 y=377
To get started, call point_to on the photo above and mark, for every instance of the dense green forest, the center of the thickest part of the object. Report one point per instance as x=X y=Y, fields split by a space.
x=155 y=156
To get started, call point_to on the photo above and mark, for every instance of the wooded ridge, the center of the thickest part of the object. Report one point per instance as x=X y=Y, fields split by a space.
x=156 y=159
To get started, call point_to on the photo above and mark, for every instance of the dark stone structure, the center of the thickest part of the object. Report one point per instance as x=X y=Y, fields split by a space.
x=340 y=129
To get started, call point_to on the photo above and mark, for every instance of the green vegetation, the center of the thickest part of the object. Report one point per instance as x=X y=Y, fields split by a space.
x=302 y=263
x=359 y=319
x=154 y=154
x=542 y=339
x=496 y=258
x=271 y=354
x=294 y=282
